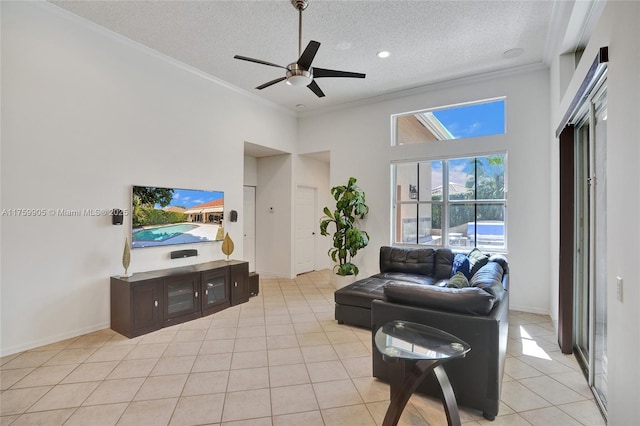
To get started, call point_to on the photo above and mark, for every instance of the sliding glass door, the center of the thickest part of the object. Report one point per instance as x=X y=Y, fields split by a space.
x=590 y=304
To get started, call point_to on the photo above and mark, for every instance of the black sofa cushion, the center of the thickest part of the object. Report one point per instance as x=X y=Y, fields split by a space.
x=415 y=261
x=468 y=300
x=402 y=276
x=444 y=263
x=361 y=292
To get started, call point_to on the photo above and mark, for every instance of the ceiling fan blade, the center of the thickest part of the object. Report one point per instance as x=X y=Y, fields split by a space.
x=316 y=89
x=309 y=53
x=271 y=83
x=323 y=72
x=258 y=61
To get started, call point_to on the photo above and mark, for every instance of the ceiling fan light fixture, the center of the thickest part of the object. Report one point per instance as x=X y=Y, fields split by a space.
x=298 y=80
x=297 y=76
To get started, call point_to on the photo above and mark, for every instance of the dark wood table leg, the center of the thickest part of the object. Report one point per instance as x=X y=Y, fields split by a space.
x=400 y=393
x=448 y=397
x=396 y=374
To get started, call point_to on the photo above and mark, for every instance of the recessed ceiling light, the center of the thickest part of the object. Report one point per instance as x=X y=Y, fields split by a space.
x=300 y=106
x=513 y=53
x=383 y=54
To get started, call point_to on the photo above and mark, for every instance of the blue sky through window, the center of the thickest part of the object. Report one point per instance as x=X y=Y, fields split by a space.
x=188 y=198
x=469 y=121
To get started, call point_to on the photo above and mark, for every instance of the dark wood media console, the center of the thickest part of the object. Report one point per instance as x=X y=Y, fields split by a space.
x=148 y=301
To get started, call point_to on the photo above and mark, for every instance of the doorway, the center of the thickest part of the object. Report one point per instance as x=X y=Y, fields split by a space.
x=305 y=234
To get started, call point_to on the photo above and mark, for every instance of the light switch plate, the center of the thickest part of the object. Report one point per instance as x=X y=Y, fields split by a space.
x=619 y=288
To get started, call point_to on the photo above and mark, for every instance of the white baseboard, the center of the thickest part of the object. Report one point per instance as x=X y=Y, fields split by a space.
x=528 y=309
x=267 y=274
x=53 y=339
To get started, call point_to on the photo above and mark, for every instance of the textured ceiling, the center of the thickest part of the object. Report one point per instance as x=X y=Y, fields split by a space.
x=429 y=41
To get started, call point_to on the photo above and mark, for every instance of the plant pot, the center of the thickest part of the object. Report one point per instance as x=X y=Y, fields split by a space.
x=340 y=281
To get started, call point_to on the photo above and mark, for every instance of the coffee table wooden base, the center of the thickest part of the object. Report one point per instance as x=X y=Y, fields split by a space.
x=404 y=385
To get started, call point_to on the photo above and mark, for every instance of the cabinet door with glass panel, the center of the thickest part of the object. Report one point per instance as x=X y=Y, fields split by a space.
x=182 y=301
x=215 y=290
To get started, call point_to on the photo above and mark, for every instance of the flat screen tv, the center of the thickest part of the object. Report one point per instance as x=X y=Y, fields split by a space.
x=168 y=216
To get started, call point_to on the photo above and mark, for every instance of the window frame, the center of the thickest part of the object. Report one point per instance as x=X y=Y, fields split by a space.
x=437 y=129
x=445 y=203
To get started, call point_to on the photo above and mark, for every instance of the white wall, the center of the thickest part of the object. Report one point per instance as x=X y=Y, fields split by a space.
x=86 y=114
x=618 y=29
x=250 y=171
x=359 y=141
x=274 y=213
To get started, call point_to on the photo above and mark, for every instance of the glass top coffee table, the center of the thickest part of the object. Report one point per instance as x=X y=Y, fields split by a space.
x=426 y=348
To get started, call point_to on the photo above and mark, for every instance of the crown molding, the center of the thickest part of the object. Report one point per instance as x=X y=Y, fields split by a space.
x=559 y=18
x=420 y=90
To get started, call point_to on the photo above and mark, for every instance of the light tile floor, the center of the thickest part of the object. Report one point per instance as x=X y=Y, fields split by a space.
x=280 y=359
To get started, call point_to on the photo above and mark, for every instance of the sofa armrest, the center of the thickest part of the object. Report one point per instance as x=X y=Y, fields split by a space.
x=490 y=278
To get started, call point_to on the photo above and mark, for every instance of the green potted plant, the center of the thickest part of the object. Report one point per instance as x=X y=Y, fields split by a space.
x=347 y=238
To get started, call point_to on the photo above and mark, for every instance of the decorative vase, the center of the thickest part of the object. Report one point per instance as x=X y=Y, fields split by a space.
x=227 y=246
x=126 y=258
x=340 y=281
x=220 y=233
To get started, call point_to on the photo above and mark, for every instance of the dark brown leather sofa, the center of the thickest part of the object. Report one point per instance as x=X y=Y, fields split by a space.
x=412 y=286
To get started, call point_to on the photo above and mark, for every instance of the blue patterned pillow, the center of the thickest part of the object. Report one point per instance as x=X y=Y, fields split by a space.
x=461 y=264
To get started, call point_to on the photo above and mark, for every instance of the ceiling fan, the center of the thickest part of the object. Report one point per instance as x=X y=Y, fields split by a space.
x=301 y=73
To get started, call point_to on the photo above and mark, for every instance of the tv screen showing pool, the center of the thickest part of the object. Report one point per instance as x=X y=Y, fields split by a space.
x=168 y=216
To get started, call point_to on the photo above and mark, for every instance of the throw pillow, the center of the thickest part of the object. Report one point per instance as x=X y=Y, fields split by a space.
x=461 y=264
x=477 y=260
x=458 y=281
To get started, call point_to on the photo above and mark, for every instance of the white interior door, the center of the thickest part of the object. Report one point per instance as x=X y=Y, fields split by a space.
x=305 y=246
x=249 y=226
